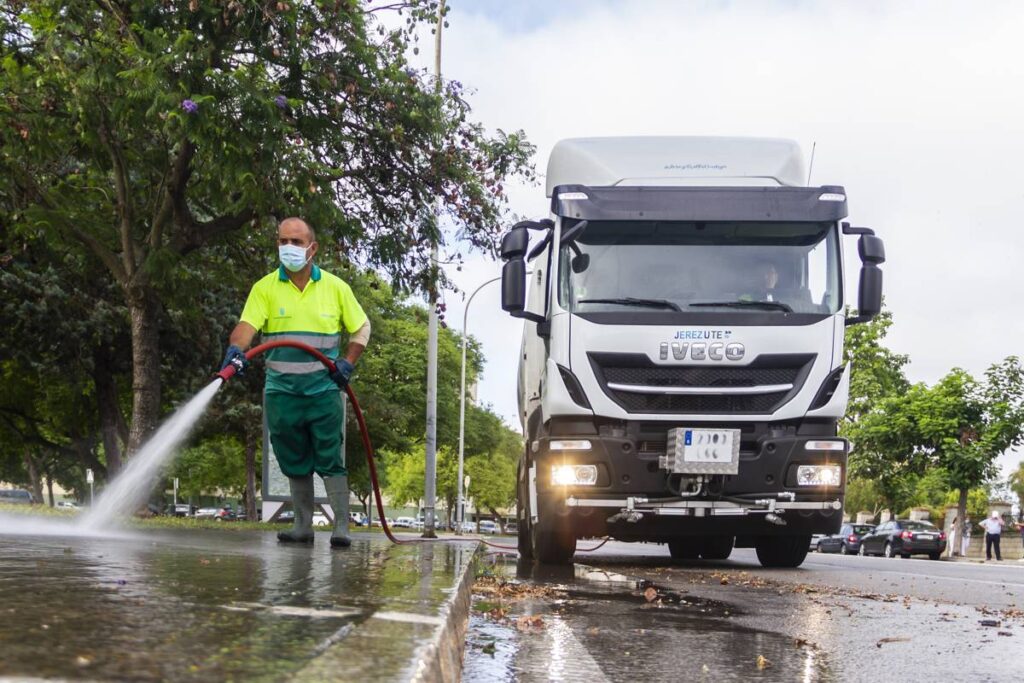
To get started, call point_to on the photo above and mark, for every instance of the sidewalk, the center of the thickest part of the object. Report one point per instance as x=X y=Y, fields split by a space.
x=219 y=605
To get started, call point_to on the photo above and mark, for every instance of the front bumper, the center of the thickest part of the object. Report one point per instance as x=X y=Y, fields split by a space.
x=632 y=500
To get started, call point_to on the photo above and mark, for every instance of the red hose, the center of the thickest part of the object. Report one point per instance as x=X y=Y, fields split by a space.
x=230 y=371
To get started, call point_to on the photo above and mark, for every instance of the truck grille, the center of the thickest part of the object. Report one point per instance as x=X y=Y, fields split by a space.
x=638 y=370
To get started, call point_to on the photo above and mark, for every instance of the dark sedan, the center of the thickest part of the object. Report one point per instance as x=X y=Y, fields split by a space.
x=847 y=541
x=903 y=538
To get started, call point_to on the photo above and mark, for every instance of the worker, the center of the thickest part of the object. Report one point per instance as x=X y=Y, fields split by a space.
x=304 y=410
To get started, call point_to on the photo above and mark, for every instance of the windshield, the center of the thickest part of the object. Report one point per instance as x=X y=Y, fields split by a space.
x=918 y=526
x=696 y=266
x=861 y=529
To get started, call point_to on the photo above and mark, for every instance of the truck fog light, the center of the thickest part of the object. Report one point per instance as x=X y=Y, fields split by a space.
x=569 y=445
x=818 y=475
x=825 y=446
x=574 y=475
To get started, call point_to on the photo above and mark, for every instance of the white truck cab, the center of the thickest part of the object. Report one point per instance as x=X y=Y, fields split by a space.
x=681 y=375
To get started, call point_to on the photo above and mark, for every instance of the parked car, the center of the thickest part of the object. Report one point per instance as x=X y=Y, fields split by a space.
x=180 y=510
x=67 y=505
x=286 y=516
x=814 y=541
x=357 y=518
x=206 y=513
x=847 y=541
x=226 y=514
x=904 y=537
x=18 y=496
x=320 y=519
x=404 y=523
x=468 y=527
x=512 y=528
x=489 y=526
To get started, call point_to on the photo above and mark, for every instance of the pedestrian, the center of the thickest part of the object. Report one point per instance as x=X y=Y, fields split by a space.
x=951 y=546
x=993 y=532
x=965 y=537
x=300 y=302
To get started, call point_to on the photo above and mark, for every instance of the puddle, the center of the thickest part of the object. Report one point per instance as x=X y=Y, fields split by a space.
x=595 y=625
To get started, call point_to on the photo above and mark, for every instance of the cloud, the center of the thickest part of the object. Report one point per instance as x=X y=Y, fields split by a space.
x=916 y=108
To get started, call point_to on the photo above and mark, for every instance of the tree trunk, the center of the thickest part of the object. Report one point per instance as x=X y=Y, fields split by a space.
x=109 y=410
x=49 y=488
x=33 y=476
x=250 y=478
x=497 y=518
x=145 y=314
x=961 y=515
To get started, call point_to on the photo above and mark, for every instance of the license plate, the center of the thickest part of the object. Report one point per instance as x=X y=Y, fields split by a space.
x=703 y=451
x=926 y=537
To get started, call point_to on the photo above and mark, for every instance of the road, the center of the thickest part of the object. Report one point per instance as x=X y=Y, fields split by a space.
x=995 y=585
x=628 y=612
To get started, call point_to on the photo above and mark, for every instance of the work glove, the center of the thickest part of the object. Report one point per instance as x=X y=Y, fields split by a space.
x=235 y=356
x=342 y=373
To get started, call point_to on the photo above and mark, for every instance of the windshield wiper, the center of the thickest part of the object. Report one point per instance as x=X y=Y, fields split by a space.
x=769 y=305
x=631 y=301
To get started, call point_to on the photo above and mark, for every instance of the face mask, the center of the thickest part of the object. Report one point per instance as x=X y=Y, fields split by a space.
x=292 y=257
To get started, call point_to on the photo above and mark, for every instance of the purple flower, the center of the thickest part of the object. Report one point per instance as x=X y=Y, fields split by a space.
x=281 y=101
x=189 y=106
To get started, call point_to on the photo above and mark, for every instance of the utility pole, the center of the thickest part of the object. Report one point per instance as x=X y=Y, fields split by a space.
x=430 y=485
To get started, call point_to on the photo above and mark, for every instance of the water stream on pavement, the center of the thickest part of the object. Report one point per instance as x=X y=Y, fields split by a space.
x=130 y=488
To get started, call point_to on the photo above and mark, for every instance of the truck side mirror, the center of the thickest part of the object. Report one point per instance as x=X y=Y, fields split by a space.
x=871 y=249
x=513 y=285
x=515 y=243
x=869 y=297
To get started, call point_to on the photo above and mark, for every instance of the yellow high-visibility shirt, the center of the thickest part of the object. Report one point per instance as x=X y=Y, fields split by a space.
x=314 y=316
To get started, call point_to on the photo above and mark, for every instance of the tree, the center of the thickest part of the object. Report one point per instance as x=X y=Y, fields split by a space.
x=144 y=134
x=1016 y=482
x=966 y=425
x=876 y=375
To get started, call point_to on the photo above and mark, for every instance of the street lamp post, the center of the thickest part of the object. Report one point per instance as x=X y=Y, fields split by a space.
x=462 y=402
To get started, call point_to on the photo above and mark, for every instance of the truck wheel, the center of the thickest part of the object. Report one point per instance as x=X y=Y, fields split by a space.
x=717 y=547
x=782 y=551
x=552 y=543
x=685 y=548
x=524 y=540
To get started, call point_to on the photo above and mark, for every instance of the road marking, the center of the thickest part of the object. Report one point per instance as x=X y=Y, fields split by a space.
x=409 y=617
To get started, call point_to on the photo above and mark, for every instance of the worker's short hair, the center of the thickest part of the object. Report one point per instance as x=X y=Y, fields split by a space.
x=291 y=219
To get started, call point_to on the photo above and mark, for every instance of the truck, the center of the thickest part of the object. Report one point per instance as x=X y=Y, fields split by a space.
x=681 y=374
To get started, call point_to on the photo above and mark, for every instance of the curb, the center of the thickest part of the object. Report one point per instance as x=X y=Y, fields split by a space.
x=396 y=644
x=441 y=659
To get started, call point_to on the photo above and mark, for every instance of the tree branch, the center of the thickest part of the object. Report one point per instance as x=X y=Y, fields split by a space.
x=124 y=204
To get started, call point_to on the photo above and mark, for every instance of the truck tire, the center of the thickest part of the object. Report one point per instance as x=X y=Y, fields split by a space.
x=685 y=548
x=552 y=542
x=782 y=551
x=523 y=540
x=717 y=547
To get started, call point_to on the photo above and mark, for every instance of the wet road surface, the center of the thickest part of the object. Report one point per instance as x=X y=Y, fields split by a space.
x=836 y=618
x=209 y=606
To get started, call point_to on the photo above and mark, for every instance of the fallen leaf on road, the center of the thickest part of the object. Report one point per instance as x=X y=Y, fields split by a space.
x=530 y=623
x=650 y=594
x=724 y=581
x=593 y=631
x=896 y=639
x=990 y=622
x=763 y=662
x=1003 y=633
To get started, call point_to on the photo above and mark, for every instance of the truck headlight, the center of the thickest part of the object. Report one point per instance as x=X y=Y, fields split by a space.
x=825 y=446
x=569 y=445
x=819 y=475
x=574 y=475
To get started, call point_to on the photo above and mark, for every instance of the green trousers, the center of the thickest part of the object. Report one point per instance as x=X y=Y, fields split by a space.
x=306 y=433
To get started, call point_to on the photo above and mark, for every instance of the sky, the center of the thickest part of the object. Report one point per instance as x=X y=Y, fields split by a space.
x=915 y=107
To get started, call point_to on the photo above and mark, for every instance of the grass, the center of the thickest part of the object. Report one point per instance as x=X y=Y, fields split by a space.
x=159 y=522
